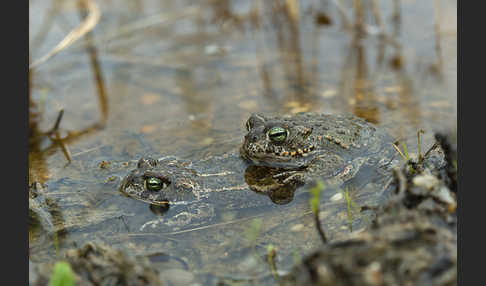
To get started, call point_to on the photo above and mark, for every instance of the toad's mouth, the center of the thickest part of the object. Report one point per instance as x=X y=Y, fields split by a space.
x=286 y=159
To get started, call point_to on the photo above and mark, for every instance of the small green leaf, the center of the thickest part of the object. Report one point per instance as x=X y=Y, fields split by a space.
x=62 y=275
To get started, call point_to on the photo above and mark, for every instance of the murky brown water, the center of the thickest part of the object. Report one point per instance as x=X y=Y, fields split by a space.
x=177 y=78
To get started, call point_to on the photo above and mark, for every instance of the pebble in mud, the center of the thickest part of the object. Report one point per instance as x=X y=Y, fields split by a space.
x=336 y=197
x=177 y=277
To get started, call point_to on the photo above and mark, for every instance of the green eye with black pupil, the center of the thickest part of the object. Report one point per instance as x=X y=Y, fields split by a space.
x=153 y=184
x=277 y=134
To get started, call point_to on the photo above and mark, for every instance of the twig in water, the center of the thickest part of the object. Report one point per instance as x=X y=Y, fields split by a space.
x=64 y=147
x=57 y=137
x=55 y=128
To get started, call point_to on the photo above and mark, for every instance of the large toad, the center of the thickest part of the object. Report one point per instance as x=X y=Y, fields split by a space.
x=334 y=147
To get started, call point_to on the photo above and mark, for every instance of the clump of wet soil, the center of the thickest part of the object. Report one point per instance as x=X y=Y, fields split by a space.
x=96 y=264
x=412 y=241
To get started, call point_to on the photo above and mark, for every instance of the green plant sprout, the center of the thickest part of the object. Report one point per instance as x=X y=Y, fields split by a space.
x=62 y=275
x=350 y=206
x=419 y=142
x=271 y=253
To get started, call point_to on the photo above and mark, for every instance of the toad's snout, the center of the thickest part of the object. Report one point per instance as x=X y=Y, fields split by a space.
x=251 y=138
x=254 y=136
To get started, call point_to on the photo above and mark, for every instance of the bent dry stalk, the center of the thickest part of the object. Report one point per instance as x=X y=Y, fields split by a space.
x=314 y=202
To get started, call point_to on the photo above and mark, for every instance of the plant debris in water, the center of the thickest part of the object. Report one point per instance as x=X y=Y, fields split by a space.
x=412 y=241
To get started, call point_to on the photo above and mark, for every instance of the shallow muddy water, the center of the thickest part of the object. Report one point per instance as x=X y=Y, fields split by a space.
x=177 y=78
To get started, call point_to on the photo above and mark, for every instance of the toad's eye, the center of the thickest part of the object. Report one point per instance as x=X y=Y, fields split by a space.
x=248 y=125
x=277 y=134
x=154 y=184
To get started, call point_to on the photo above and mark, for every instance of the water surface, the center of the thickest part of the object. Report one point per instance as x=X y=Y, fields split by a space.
x=164 y=78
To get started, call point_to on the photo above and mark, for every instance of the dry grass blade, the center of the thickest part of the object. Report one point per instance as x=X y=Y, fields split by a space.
x=87 y=25
x=395 y=145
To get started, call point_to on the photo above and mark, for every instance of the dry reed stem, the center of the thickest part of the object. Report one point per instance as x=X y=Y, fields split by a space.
x=377 y=14
x=437 y=35
x=84 y=27
x=95 y=65
x=293 y=10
